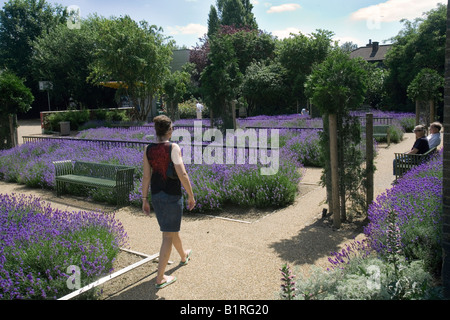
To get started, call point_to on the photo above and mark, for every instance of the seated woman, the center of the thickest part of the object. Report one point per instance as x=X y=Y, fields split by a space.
x=420 y=146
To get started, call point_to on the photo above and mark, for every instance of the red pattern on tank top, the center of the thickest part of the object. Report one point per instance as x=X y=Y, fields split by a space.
x=159 y=159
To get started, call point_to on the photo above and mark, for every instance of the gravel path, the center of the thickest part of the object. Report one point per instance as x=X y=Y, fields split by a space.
x=230 y=260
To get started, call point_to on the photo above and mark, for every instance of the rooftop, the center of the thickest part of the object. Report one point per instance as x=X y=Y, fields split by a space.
x=372 y=52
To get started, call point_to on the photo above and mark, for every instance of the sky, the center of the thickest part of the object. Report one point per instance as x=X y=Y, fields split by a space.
x=185 y=21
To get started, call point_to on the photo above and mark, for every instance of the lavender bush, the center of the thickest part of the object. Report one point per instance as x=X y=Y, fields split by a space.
x=214 y=185
x=39 y=243
x=417 y=202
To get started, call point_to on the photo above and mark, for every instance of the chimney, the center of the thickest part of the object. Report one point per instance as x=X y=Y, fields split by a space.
x=369 y=44
x=375 y=46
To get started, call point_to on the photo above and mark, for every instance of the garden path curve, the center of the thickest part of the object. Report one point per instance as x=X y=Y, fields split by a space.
x=230 y=260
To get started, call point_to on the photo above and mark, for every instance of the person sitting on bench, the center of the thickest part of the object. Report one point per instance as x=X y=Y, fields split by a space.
x=420 y=146
x=434 y=138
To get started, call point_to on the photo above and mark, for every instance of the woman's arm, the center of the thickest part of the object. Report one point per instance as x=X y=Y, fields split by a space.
x=146 y=178
x=177 y=160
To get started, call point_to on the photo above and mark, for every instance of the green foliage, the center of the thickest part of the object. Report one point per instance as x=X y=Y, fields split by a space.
x=135 y=55
x=366 y=279
x=63 y=56
x=376 y=89
x=420 y=44
x=76 y=118
x=175 y=86
x=312 y=49
x=264 y=86
x=15 y=97
x=221 y=78
x=188 y=109
x=237 y=13
x=338 y=84
x=426 y=86
x=21 y=22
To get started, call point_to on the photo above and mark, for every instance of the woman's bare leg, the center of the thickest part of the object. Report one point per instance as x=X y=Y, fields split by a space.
x=164 y=255
x=177 y=243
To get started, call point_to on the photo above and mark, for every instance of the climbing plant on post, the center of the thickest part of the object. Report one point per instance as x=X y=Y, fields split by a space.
x=426 y=87
x=336 y=86
x=15 y=97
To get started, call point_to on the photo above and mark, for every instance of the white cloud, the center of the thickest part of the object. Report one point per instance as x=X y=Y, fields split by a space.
x=191 y=28
x=285 y=33
x=395 y=10
x=342 y=40
x=284 y=7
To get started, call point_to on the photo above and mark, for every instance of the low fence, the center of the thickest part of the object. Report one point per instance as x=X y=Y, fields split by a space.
x=140 y=145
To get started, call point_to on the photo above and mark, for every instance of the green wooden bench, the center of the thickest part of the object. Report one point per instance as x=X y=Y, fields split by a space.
x=100 y=175
x=382 y=131
x=404 y=162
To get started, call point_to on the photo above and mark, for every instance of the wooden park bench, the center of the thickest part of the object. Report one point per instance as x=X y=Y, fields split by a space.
x=382 y=131
x=404 y=162
x=118 y=178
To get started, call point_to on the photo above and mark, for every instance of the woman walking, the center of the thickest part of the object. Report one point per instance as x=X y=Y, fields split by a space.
x=164 y=173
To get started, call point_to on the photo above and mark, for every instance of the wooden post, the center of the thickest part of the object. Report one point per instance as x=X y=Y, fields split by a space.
x=369 y=158
x=334 y=170
x=233 y=113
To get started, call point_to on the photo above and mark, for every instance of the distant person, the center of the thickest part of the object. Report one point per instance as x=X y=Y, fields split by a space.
x=166 y=195
x=199 y=110
x=305 y=112
x=434 y=138
x=420 y=146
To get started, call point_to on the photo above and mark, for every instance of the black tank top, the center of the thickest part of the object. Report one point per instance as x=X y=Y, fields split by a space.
x=158 y=155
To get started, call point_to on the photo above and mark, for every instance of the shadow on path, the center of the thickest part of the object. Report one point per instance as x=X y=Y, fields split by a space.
x=314 y=242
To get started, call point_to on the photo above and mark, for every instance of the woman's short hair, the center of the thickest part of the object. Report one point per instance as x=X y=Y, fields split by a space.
x=162 y=125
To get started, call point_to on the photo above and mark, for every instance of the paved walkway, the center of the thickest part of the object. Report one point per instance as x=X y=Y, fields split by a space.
x=233 y=260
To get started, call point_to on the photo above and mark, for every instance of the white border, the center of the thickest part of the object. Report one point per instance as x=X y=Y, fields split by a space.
x=113 y=275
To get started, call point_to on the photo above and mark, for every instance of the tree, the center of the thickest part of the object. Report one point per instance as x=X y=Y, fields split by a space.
x=446 y=179
x=136 y=56
x=297 y=54
x=21 y=22
x=15 y=97
x=175 y=87
x=63 y=56
x=376 y=85
x=213 y=21
x=237 y=13
x=336 y=86
x=221 y=78
x=420 y=44
x=264 y=88
x=426 y=86
x=349 y=46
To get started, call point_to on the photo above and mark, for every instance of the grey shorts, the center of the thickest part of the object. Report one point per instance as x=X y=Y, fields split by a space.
x=169 y=210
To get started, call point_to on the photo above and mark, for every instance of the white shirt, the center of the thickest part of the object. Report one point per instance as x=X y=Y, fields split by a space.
x=434 y=140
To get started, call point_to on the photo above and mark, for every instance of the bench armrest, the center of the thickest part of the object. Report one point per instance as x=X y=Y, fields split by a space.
x=124 y=176
x=63 y=167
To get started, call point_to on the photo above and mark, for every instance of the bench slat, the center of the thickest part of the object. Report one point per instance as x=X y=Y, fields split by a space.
x=119 y=178
x=404 y=162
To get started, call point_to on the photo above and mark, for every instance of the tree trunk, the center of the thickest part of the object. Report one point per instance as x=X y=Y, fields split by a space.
x=446 y=179
x=334 y=170
x=369 y=159
x=432 y=113
x=417 y=112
